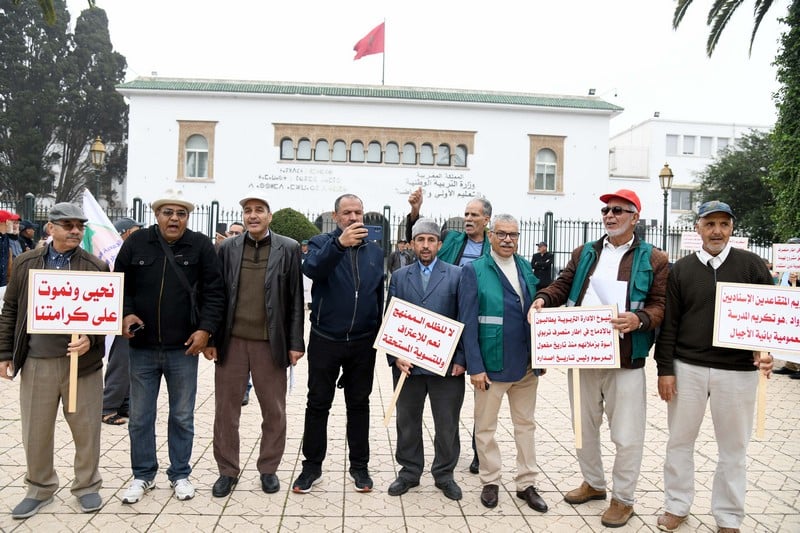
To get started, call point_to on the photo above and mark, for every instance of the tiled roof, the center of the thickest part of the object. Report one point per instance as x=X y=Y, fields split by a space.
x=366 y=91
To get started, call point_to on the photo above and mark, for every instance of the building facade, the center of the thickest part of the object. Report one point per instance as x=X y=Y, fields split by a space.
x=305 y=144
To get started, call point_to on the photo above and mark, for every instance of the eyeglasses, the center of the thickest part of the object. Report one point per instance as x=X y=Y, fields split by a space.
x=69 y=226
x=502 y=235
x=169 y=212
x=617 y=210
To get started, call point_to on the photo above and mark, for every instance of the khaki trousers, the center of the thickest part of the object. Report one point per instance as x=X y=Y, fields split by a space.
x=43 y=385
x=522 y=404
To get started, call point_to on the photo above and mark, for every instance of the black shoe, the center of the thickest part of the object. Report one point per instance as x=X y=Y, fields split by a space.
x=450 y=489
x=533 y=499
x=304 y=482
x=223 y=486
x=362 y=480
x=246 y=398
x=270 y=483
x=401 y=485
x=475 y=465
x=785 y=371
x=489 y=496
x=796 y=375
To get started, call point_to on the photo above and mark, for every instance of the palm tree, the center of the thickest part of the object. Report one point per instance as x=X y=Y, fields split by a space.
x=718 y=16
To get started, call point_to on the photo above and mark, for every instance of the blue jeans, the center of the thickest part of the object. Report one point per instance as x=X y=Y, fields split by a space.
x=180 y=373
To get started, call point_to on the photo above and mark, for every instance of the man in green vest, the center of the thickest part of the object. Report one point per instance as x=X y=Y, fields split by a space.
x=597 y=268
x=459 y=248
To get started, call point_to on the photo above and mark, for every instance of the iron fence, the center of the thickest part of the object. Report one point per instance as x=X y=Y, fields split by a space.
x=562 y=236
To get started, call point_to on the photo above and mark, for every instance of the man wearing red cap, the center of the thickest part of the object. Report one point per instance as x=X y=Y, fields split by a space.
x=6 y=217
x=619 y=256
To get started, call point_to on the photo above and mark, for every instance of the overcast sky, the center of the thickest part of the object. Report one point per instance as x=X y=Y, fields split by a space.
x=625 y=49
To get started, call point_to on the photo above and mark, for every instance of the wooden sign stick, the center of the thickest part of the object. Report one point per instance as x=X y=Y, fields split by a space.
x=72 y=404
x=397 y=390
x=761 y=402
x=576 y=402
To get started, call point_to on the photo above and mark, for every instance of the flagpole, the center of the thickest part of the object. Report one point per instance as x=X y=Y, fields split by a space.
x=383 y=60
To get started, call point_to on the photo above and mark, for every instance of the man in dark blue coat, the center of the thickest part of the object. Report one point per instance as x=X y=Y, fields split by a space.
x=346 y=308
x=433 y=285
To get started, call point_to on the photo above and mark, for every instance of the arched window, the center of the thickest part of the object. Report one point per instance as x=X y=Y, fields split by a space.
x=461 y=156
x=287 y=149
x=409 y=154
x=392 y=156
x=443 y=155
x=196 y=157
x=374 y=152
x=321 y=151
x=545 y=170
x=426 y=154
x=339 y=151
x=357 y=152
x=304 y=150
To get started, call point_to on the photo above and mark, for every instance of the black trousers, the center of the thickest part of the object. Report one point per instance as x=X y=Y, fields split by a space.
x=356 y=360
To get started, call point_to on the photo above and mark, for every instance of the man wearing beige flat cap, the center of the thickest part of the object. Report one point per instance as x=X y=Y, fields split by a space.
x=174 y=301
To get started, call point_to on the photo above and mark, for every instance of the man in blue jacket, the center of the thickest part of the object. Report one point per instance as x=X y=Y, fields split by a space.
x=346 y=306
x=433 y=285
x=495 y=293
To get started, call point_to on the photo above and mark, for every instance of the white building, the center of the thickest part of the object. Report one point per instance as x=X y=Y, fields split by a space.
x=637 y=155
x=305 y=144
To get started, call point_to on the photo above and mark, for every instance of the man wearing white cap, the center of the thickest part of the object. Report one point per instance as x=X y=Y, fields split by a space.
x=261 y=336
x=174 y=301
x=617 y=257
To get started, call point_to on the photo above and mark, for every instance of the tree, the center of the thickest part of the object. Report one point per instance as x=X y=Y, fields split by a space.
x=31 y=65
x=739 y=178
x=785 y=175
x=48 y=9
x=293 y=224
x=90 y=107
x=718 y=16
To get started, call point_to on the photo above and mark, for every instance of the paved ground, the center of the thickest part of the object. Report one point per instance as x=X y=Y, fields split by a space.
x=773 y=498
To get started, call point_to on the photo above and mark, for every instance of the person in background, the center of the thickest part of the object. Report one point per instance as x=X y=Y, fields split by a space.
x=399 y=258
x=789 y=279
x=43 y=362
x=117 y=379
x=693 y=373
x=27 y=233
x=542 y=262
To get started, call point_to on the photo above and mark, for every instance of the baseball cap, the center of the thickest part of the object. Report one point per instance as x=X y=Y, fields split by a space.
x=625 y=194
x=714 y=206
x=541 y=243
x=257 y=197
x=27 y=224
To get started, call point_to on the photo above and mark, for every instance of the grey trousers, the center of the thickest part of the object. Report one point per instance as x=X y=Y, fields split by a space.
x=117 y=379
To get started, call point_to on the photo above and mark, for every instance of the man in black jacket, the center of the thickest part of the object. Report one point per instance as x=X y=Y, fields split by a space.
x=262 y=336
x=174 y=301
x=346 y=309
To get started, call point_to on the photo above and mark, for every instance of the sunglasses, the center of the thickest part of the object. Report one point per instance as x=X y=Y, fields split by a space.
x=617 y=210
x=69 y=226
x=169 y=212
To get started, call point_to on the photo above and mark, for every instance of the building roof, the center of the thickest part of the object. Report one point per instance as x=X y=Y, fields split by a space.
x=148 y=84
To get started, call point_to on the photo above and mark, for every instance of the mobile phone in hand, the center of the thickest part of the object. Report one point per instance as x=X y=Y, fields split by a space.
x=134 y=328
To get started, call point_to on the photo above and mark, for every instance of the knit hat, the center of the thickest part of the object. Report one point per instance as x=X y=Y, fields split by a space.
x=426 y=226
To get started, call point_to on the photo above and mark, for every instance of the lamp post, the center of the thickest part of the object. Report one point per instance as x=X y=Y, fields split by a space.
x=98 y=154
x=665 y=177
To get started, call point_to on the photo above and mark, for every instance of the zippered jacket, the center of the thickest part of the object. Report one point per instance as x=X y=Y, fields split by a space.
x=154 y=293
x=347 y=293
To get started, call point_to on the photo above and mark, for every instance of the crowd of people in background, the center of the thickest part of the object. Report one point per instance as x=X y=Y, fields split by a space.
x=240 y=302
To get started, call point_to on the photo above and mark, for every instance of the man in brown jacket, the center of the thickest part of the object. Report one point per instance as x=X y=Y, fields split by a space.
x=43 y=362
x=617 y=257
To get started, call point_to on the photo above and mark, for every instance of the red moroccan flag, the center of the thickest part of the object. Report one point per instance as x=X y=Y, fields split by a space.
x=372 y=43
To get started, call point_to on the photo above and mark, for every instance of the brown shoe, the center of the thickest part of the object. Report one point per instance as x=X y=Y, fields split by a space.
x=583 y=494
x=670 y=522
x=617 y=514
x=489 y=495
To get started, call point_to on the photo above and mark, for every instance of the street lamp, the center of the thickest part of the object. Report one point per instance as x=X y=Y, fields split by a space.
x=98 y=153
x=665 y=177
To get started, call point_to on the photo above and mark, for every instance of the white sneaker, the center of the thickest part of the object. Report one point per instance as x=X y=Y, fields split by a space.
x=137 y=489
x=183 y=489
